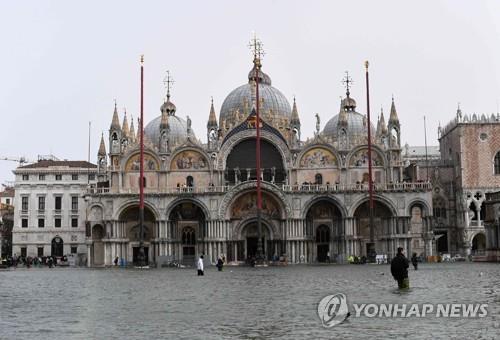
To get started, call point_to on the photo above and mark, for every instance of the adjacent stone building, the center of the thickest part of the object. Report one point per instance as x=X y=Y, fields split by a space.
x=200 y=197
x=49 y=209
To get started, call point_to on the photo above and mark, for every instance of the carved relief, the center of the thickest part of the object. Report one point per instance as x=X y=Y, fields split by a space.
x=133 y=164
x=189 y=160
x=318 y=158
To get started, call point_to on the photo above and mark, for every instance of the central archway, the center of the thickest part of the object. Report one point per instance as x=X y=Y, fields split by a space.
x=130 y=219
x=241 y=163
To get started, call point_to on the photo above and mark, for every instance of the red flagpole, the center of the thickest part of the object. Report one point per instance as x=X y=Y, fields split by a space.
x=370 y=180
x=141 y=173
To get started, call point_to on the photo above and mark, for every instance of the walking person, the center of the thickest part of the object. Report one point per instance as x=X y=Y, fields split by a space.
x=414 y=261
x=200 y=266
x=220 y=264
x=399 y=269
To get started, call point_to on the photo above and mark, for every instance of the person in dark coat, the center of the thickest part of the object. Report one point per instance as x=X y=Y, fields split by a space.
x=220 y=264
x=399 y=269
x=414 y=261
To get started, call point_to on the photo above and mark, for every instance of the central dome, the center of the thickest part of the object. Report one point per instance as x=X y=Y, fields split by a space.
x=239 y=101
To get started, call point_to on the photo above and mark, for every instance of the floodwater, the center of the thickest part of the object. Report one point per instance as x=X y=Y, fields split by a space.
x=239 y=302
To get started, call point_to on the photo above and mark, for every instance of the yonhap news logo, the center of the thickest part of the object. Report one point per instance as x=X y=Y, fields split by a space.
x=334 y=309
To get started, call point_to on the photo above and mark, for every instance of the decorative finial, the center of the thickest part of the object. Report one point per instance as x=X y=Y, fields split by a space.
x=168 y=81
x=366 y=65
x=142 y=59
x=212 y=99
x=347 y=81
x=115 y=103
x=257 y=49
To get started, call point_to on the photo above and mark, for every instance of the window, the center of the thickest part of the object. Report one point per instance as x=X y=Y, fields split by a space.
x=41 y=177
x=58 y=177
x=40 y=252
x=74 y=203
x=24 y=203
x=24 y=223
x=41 y=203
x=74 y=177
x=74 y=222
x=58 y=202
x=497 y=163
x=7 y=201
x=41 y=223
x=57 y=223
x=74 y=249
x=91 y=177
x=318 y=179
x=23 y=251
x=26 y=177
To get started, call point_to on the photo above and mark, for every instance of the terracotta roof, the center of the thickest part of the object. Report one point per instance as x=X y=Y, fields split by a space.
x=8 y=192
x=49 y=163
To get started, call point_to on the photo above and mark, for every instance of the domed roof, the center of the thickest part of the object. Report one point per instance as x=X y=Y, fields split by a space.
x=178 y=130
x=273 y=100
x=356 y=122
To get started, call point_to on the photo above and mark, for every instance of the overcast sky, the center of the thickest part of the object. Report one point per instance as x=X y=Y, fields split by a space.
x=64 y=62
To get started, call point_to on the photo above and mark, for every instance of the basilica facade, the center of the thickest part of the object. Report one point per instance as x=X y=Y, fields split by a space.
x=200 y=197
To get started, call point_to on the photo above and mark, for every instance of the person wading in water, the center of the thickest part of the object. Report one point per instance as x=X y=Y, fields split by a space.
x=399 y=269
x=414 y=261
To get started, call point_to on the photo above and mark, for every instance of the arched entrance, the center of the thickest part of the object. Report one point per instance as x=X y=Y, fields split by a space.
x=130 y=219
x=97 y=245
x=250 y=237
x=187 y=223
x=240 y=163
x=384 y=226
x=323 y=243
x=57 y=247
x=324 y=226
x=478 y=244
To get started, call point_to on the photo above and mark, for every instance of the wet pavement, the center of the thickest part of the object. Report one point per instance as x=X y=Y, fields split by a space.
x=239 y=302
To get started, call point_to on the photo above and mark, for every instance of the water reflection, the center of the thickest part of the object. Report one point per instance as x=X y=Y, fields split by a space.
x=238 y=303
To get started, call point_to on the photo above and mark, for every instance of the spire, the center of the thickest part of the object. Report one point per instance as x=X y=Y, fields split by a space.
x=383 y=127
x=115 y=122
x=459 y=112
x=125 y=129
x=132 y=129
x=102 y=147
x=212 y=119
x=295 y=114
x=393 y=119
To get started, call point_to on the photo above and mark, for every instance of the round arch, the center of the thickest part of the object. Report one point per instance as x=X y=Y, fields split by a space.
x=357 y=149
x=377 y=198
x=329 y=198
x=419 y=202
x=133 y=202
x=228 y=146
x=271 y=228
x=319 y=146
x=127 y=161
x=190 y=151
x=478 y=242
x=245 y=187
x=172 y=205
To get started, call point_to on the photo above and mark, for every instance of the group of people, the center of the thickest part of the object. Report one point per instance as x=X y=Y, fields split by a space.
x=200 y=266
x=29 y=261
x=399 y=268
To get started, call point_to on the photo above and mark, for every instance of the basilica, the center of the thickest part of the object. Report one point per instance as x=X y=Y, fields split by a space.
x=200 y=195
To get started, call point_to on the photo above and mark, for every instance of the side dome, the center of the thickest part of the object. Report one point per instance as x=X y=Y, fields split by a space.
x=354 y=122
x=239 y=101
x=178 y=130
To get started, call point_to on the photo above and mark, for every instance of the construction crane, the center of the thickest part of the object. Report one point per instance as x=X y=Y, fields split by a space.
x=21 y=160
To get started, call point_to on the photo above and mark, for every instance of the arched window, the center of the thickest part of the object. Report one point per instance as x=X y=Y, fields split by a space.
x=322 y=234
x=188 y=236
x=318 y=179
x=189 y=181
x=497 y=163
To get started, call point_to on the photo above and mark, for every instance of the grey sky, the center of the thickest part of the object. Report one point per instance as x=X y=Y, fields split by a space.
x=63 y=62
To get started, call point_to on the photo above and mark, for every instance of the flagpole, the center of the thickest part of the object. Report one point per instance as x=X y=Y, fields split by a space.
x=141 y=256
x=257 y=65
x=370 y=180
